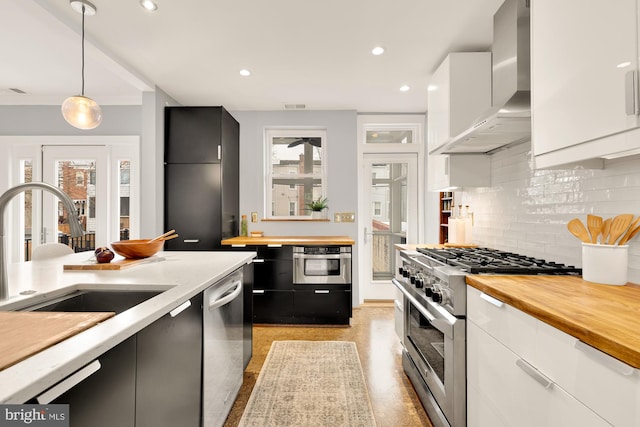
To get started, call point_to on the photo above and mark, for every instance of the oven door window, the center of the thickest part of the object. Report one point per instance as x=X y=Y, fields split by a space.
x=428 y=341
x=321 y=267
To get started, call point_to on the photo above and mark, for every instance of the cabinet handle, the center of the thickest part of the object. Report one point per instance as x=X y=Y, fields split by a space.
x=238 y=246
x=630 y=93
x=219 y=152
x=68 y=383
x=179 y=309
x=534 y=373
x=491 y=300
x=604 y=358
x=274 y=245
x=258 y=291
x=191 y=240
x=321 y=291
x=258 y=261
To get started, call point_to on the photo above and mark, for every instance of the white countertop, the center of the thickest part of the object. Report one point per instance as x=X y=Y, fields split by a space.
x=181 y=274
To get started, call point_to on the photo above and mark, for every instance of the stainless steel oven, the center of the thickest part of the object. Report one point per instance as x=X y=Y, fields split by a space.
x=325 y=265
x=434 y=341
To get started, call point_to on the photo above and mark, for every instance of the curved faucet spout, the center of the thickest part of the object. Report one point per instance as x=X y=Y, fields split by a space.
x=74 y=223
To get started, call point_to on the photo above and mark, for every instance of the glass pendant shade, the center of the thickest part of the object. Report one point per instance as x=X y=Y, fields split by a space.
x=81 y=112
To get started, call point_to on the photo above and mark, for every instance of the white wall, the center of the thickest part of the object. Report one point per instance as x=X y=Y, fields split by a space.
x=527 y=210
x=342 y=185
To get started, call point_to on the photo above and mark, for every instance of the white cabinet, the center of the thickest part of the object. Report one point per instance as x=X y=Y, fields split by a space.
x=584 y=62
x=459 y=92
x=521 y=371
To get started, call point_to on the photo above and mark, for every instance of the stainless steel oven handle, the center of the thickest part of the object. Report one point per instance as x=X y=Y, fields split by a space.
x=441 y=325
x=319 y=256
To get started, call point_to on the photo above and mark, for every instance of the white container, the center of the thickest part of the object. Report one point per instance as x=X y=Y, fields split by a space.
x=605 y=264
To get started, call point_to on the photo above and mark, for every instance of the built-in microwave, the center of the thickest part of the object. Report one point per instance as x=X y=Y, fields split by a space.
x=321 y=265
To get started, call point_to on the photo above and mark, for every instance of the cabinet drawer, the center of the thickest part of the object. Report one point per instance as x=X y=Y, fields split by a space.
x=276 y=252
x=272 y=306
x=608 y=386
x=515 y=329
x=515 y=389
x=193 y=134
x=322 y=306
x=273 y=274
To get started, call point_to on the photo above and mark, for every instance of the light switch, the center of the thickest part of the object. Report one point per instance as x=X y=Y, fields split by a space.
x=337 y=217
x=348 y=216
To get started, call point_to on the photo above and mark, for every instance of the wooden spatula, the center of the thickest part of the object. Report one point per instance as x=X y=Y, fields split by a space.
x=619 y=225
x=594 y=223
x=577 y=228
x=628 y=236
x=606 y=226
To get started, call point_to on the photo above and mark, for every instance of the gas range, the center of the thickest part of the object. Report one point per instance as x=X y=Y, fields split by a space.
x=493 y=261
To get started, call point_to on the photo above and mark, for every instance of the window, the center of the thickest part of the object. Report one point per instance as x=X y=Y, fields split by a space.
x=124 y=206
x=124 y=173
x=79 y=178
x=390 y=134
x=92 y=207
x=377 y=208
x=296 y=171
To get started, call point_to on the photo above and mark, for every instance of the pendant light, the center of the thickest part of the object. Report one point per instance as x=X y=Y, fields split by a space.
x=80 y=111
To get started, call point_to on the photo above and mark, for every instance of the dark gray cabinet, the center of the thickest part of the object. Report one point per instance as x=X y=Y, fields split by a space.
x=201 y=198
x=276 y=300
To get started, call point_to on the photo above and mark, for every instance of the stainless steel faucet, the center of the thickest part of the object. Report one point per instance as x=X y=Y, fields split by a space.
x=74 y=223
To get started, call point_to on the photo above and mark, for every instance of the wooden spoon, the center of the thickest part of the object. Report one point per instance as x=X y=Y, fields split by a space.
x=172 y=236
x=619 y=225
x=606 y=226
x=577 y=228
x=626 y=235
x=163 y=235
x=594 y=223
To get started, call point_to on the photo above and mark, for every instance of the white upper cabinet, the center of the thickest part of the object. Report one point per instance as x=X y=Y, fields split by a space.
x=584 y=59
x=459 y=92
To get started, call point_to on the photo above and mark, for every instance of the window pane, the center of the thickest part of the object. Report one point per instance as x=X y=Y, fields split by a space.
x=296 y=173
x=125 y=198
x=389 y=137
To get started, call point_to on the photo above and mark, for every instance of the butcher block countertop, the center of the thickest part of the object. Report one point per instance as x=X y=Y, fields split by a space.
x=603 y=316
x=290 y=240
x=25 y=333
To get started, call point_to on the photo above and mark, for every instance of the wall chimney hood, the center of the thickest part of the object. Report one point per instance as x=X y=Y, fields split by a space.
x=508 y=122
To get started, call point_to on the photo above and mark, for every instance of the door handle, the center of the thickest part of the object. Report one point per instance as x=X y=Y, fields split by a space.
x=226 y=299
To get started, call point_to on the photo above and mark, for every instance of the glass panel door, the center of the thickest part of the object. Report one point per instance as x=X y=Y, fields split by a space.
x=390 y=217
x=81 y=173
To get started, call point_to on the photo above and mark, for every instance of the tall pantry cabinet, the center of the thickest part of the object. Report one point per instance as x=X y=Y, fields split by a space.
x=201 y=179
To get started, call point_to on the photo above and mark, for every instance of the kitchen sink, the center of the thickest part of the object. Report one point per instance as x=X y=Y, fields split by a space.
x=94 y=301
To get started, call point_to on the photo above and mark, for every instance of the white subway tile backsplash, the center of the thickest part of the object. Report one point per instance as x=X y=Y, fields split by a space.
x=527 y=210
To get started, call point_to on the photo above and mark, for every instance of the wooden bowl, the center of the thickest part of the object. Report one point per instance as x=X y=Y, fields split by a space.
x=135 y=249
x=257 y=233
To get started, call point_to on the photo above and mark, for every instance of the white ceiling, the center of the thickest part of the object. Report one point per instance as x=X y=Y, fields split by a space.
x=315 y=53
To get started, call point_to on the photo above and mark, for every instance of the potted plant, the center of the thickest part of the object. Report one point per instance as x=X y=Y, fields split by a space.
x=317 y=206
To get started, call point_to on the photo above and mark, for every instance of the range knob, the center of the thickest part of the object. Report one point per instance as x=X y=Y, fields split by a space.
x=436 y=296
x=428 y=291
x=406 y=272
x=412 y=279
x=419 y=281
x=400 y=270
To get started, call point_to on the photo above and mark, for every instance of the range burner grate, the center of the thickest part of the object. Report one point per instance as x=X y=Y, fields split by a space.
x=485 y=260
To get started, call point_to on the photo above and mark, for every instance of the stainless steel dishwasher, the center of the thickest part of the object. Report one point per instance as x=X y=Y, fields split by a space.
x=222 y=348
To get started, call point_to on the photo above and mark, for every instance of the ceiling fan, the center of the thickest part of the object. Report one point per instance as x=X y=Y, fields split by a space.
x=316 y=142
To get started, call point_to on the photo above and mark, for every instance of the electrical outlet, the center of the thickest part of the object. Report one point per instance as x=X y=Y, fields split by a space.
x=348 y=217
x=337 y=217
x=254 y=216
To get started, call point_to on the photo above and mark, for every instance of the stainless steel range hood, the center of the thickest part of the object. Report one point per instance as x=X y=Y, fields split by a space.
x=508 y=122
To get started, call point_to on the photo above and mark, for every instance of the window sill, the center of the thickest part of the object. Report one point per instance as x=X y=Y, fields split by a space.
x=295 y=219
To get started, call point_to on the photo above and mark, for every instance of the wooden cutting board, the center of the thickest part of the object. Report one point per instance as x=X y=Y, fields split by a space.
x=25 y=333
x=120 y=264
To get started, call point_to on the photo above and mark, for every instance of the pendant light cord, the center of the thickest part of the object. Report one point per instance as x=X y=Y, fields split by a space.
x=83 y=13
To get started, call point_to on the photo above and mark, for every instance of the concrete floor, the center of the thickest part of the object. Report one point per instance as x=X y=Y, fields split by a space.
x=392 y=396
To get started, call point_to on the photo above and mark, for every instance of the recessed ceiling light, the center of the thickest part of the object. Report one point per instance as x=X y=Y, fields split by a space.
x=378 y=50
x=623 y=64
x=244 y=72
x=431 y=88
x=149 y=5
x=404 y=88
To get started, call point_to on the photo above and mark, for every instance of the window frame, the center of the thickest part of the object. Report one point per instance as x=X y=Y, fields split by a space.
x=269 y=135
